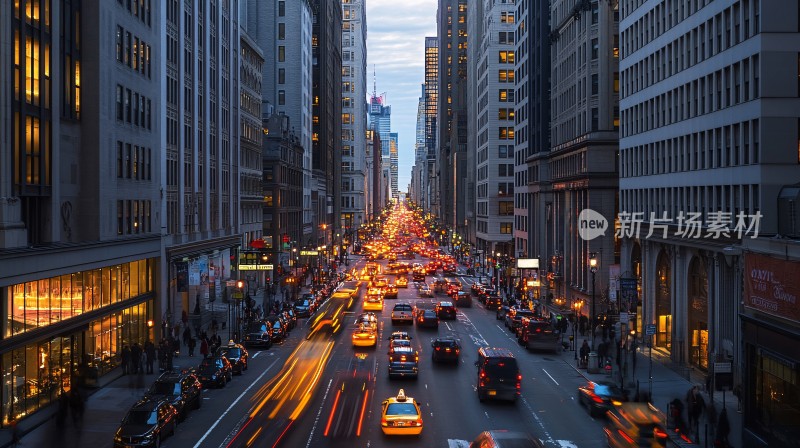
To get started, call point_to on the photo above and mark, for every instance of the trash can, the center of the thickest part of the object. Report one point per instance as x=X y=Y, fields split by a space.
x=593 y=366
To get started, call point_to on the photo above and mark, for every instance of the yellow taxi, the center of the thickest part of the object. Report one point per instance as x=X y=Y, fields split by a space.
x=401 y=281
x=365 y=335
x=401 y=415
x=373 y=302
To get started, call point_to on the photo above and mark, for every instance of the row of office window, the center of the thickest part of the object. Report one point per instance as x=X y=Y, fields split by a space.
x=721 y=89
x=141 y=9
x=133 y=52
x=505 y=76
x=133 y=108
x=722 y=147
x=134 y=217
x=505 y=228
x=736 y=23
x=134 y=162
x=733 y=199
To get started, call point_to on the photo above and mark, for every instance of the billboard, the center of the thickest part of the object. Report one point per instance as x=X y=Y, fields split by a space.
x=528 y=263
x=771 y=287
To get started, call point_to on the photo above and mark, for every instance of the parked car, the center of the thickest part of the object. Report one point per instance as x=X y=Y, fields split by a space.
x=214 y=370
x=277 y=328
x=182 y=390
x=258 y=334
x=146 y=424
x=237 y=355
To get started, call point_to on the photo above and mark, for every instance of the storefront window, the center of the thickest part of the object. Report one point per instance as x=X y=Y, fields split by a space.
x=663 y=303
x=775 y=409
x=47 y=301
x=698 y=314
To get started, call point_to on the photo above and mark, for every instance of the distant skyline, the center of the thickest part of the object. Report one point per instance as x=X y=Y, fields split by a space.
x=396 y=32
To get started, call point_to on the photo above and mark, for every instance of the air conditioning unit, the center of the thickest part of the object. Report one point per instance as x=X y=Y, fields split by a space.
x=789 y=211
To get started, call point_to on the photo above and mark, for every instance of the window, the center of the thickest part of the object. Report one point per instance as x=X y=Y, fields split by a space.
x=281 y=53
x=281 y=76
x=506 y=57
x=506 y=208
x=595 y=84
x=505 y=227
x=120 y=44
x=281 y=8
x=595 y=49
x=120 y=111
x=281 y=31
x=505 y=151
x=281 y=97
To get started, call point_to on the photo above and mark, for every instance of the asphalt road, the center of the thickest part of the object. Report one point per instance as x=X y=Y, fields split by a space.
x=320 y=391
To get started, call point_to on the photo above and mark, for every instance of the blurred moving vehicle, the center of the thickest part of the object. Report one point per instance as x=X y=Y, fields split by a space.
x=445 y=349
x=304 y=307
x=600 y=397
x=181 y=389
x=539 y=334
x=401 y=415
x=498 y=374
x=501 y=438
x=633 y=425
x=146 y=424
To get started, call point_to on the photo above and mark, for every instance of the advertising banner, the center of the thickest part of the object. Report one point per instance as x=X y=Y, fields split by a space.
x=194 y=272
x=182 y=275
x=771 y=286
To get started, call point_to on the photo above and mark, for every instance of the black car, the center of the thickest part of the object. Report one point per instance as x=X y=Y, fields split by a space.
x=403 y=362
x=304 y=307
x=276 y=327
x=258 y=334
x=215 y=371
x=493 y=302
x=462 y=299
x=182 y=390
x=445 y=349
x=147 y=423
x=599 y=397
x=446 y=311
x=427 y=319
x=237 y=355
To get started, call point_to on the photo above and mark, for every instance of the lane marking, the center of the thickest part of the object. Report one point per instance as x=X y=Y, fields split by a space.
x=319 y=412
x=538 y=420
x=197 y=445
x=486 y=414
x=256 y=355
x=551 y=377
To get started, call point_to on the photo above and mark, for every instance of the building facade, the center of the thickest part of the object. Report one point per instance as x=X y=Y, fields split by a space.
x=431 y=183
x=493 y=110
x=283 y=31
x=80 y=187
x=354 y=116
x=708 y=145
x=582 y=163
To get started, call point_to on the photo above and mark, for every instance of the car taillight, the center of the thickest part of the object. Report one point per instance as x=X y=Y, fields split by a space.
x=625 y=436
x=596 y=398
x=660 y=433
x=402 y=358
x=384 y=422
x=438 y=348
x=483 y=374
x=418 y=422
x=519 y=377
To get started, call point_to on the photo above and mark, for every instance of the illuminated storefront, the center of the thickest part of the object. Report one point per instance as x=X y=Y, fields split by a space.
x=663 y=303
x=61 y=330
x=697 y=310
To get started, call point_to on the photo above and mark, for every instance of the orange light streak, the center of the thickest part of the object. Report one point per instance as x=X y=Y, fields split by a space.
x=361 y=417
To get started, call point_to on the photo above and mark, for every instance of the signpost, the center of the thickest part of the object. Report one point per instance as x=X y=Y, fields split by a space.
x=650 y=331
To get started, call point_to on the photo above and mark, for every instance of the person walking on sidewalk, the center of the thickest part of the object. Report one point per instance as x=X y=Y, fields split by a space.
x=136 y=357
x=63 y=408
x=584 y=353
x=126 y=359
x=723 y=429
x=191 y=342
x=150 y=354
x=203 y=347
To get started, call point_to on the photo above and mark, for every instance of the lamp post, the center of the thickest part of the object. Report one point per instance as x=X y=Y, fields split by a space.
x=497 y=271
x=593 y=269
x=577 y=305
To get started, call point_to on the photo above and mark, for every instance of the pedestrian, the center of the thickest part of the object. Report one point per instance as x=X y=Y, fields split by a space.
x=584 y=352
x=676 y=412
x=176 y=346
x=136 y=357
x=203 y=347
x=711 y=417
x=697 y=409
x=691 y=400
x=150 y=354
x=76 y=406
x=191 y=344
x=723 y=429
x=63 y=408
x=187 y=334
x=126 y=359
x=214 y=324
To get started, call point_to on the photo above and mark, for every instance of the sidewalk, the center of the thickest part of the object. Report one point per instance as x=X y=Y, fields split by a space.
x=669 y=381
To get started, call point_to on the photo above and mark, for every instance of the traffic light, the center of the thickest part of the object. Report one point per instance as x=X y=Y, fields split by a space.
x=264 y=257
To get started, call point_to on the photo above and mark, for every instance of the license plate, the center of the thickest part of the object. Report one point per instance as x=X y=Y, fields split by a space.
x=492 y=393
x=401 y=423
x=447 y=349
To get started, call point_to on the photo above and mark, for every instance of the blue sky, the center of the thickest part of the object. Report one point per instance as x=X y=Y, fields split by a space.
x=396 y=31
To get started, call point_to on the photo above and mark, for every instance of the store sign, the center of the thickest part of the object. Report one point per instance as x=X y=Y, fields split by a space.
x=528 y=263
x=256 y=267
x=771 y=286
x=309 y=252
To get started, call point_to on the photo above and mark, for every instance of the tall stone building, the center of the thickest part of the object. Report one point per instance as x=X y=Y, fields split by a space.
x=709 y=163
x=326 y=139
x=451 y=126
x=80 y=193
x=582 y=162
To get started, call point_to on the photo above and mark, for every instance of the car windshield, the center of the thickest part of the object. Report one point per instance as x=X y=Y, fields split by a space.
x=504 y=367
x=142 y=417
x=276 y=325
x=429 y=313
x=165 y=388
x=233 y=352
x=257 y=327
x=401 y=343
x=402 y=307
x=401 y=409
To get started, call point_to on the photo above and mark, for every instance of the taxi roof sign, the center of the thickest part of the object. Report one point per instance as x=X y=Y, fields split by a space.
x=401 y=395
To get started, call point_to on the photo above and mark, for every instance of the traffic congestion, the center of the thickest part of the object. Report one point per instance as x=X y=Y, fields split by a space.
x=399 y=348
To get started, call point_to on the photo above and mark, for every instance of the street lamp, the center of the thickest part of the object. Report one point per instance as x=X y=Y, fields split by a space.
x=577 y=305
x=497 y=271
x=593 y=269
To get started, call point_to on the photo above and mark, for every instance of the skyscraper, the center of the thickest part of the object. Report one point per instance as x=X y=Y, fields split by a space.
x=431 y=97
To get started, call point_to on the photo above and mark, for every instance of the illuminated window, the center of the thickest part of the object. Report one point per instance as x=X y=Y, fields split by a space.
x=32 y=70
x=281 y=53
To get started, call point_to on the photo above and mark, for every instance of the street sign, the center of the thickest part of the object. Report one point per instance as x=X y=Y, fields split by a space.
x=650 y=329
x=230 y=283
x=309 y=252
x=723 y=367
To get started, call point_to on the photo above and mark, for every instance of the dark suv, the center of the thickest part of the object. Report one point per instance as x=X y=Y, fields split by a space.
x=445 y=349
x=258 y=335
x=493 y=302
x=446 y=311
x=182 y=390
x=403 y=362
x=498 y=374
